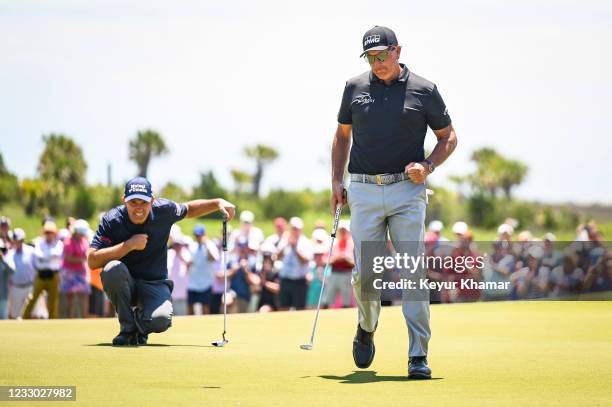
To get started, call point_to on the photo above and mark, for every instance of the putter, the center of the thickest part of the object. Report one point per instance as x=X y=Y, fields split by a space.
x=221 y=343
x=309 y=346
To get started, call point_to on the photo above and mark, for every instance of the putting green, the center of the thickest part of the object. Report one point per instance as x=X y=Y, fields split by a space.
x=486 y=354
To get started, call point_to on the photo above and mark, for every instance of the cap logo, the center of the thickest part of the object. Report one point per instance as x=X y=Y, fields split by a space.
x=138 y=188
x=372 y=39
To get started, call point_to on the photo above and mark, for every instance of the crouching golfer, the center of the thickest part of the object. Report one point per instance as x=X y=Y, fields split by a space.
x=131 y=245
x=387 y=110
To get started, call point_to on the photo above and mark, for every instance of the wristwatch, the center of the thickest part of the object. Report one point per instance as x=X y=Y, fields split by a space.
x=430 y=165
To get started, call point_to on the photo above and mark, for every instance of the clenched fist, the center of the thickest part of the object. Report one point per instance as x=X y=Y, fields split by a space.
x=417 y=172
x=137 y=242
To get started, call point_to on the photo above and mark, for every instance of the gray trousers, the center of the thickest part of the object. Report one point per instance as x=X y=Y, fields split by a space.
x=399 y=210
x=152 y=299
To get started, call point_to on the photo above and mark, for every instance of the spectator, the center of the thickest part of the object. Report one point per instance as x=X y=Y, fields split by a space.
x=498 y=269
x=21 y=259
x=242 y=272
x=568 y=277
x=48 y=252
x=533 y=279
x=599 y=276
x=5 y=273
x=75 y=273
x=342 y=262
x=295 y=252
x=504 y=232
x=315 y=275
x=552 y=256
x=434 y=233
x=463 y=252
x=205 y=256
x=270 y=281
x=280 y=226
x=246 y=232
x=179 y=260
x=5 y=232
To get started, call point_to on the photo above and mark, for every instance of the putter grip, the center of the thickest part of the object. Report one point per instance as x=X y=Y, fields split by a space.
x=225 y=234
x=336 y=220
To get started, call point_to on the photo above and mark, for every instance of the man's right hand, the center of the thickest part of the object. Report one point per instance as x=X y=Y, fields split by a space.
x=338 y=195
x=137 y=242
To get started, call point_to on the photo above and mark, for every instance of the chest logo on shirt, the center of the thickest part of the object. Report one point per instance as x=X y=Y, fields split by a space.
x=363 y=99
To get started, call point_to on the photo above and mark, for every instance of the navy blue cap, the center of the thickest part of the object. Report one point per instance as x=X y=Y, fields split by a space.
x=138 y=188
x=199 y=230
x=378 y=39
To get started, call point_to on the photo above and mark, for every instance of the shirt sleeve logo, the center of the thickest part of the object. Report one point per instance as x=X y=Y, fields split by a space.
x=178 y=209
x=363 y=99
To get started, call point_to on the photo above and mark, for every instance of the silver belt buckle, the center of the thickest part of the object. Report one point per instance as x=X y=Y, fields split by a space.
x=379 y=179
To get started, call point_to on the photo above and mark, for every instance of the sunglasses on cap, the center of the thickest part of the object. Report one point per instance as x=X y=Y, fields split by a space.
x=382 y=56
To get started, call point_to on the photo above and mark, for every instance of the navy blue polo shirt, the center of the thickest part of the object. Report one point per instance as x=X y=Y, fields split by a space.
x=389 y=122
x=150 y=263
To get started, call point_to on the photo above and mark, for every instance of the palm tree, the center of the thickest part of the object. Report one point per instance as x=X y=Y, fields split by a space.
x=147 y=145
x=262 y=155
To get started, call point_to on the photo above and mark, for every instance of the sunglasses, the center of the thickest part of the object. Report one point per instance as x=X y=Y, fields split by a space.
x=382 y=57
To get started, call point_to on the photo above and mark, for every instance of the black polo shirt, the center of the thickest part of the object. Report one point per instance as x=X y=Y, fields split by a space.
x=390 y=121
x=150 y=263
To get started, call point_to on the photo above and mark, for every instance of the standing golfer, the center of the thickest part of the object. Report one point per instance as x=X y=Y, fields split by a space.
x=131 y=245
x=388 y=110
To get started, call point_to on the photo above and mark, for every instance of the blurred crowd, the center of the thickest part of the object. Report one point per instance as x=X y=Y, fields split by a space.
x=48 y=276
x=532 y=267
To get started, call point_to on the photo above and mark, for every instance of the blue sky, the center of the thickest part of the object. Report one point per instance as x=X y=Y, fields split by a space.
x=529 y=78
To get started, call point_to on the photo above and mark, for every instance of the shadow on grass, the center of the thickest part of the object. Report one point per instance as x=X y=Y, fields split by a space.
x=369 y=376
x=149 y=345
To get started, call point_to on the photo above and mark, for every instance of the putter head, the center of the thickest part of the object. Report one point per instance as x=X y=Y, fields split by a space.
x=221 y=343
x=307 y=346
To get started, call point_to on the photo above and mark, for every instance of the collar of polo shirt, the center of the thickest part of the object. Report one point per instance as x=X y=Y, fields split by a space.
x=403 y=76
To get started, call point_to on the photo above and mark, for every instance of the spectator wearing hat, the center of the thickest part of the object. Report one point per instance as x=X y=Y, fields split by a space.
x=21 y=259
x=461 y=269
x=498 y=268
x=75 y=273
x=342 y=261
x=246 y=232
x=295 y=252
x=315 y=276
x=179 y=261
x=204 y=257
x=270 y=281
x=532 y=280
x=504 y=232
x=599 y=276
x=48 y=253
x=434 y=233
x=5 y=273
x=280 y=230
x=551 y=257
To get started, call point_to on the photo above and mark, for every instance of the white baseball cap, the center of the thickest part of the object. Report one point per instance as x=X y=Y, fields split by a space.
x=319 y=235
x=81 y=227
x=460 y=228
x=247 y=216
x=19 y=234
x=344 y=224
x=435 y=226
x=296 y=223
x=505 y=228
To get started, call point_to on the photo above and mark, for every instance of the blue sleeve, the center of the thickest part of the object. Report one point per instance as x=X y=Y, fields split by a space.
x=173 y=211
x=104 y=236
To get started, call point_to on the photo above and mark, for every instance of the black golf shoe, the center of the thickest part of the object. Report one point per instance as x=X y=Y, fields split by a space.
x=417 y=368
x=125 y=339
x=142 y=339
x=363 y=348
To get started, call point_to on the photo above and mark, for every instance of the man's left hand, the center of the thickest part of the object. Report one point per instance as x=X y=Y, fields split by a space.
x=417 y=172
